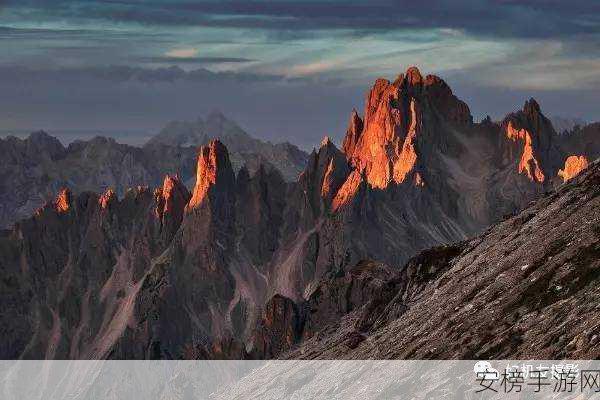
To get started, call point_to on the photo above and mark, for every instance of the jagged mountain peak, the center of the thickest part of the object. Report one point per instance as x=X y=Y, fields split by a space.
x=355 y=128
x=386 y=144
x=41 y=135
x=412 y=79
x=540 y=157
x=530 y=116
x=40 y=143
x=172 y=195
x=383 y=145
x=326 y=170
x=171 y=200
x=326 y=141
x=413 y=76
x=213 y=171
x=216 y=115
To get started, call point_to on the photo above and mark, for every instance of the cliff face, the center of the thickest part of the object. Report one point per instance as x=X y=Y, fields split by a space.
x=535 y=139
x=398 y=126
x=74 y=269
x=249 y=264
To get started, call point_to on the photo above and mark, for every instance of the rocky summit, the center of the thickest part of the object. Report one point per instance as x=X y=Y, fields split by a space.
x=366 y=254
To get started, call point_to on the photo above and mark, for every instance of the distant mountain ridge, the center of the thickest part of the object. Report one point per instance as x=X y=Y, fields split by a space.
x=242 y=266
x=35 y=168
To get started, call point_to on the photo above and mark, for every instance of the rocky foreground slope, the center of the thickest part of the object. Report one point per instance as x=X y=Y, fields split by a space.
x=527 y=288
x=236 y=267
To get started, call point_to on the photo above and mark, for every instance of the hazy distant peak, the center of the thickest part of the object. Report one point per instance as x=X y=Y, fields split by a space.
x=287 y=158
x=566 y=124
x=217 y=115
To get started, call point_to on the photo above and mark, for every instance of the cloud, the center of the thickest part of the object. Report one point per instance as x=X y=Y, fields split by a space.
x=126 y=98
x=194 y=60
x=267 y=55
x=498 y=18
x=182 y=53
x=311 y=68
x=539 y=66
x=134 y=74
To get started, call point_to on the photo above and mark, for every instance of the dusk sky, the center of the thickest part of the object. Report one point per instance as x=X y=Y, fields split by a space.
x=284 y=70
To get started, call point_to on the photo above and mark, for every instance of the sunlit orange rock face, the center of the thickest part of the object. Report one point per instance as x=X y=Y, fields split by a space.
x=171 y=200
x=391 y=144
x=326 y=171
x=347 y=190
x=172 y=197
x=107 y=198
x=213 y=166
x=355 y=127
x=379 y=147
x=62 y=204
x=386 y=146
x=529 y=164
x=533 y=136
x=209 y=215
x=335 y=169
x=573 y=166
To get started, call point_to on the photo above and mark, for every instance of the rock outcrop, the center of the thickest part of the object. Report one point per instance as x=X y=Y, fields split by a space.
x=573 y=167
x=170 y=200
x=62 y=204
x=536 y=142
x=279 y=327
x=214 y=172
x=388 y=145
x=355 y=128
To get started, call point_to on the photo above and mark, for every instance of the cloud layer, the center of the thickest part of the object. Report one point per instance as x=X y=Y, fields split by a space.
x=180 y=58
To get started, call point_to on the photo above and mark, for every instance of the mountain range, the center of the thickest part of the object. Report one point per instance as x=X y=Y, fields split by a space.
x=250 y=265
x=35 y=168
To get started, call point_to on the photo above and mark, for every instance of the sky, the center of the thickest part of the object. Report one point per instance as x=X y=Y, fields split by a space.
x=284 y=70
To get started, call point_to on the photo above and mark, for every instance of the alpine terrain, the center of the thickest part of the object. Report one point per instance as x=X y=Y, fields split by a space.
x=365 y=255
